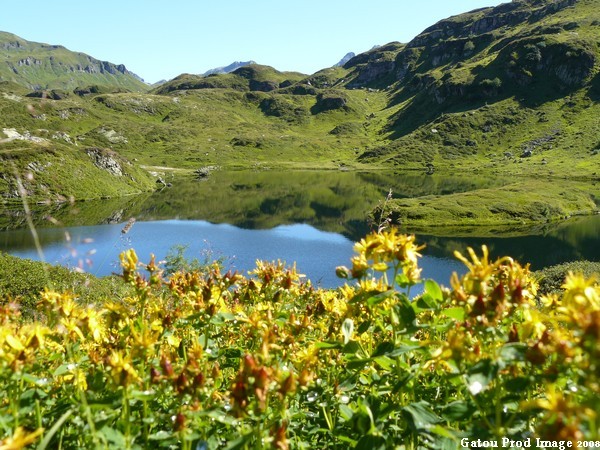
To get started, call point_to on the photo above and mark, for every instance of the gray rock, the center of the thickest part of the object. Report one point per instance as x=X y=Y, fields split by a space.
x=104 y=159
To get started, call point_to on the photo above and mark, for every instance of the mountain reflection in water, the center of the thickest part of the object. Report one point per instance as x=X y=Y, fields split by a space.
x=310 y=217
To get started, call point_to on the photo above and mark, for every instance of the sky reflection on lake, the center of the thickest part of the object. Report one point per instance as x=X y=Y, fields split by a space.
x=316 y=253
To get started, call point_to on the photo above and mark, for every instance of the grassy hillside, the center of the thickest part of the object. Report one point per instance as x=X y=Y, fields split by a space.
x=253 y=77
x=509 y=92
x=521 y=78
x=226 y=126
x=41 y=66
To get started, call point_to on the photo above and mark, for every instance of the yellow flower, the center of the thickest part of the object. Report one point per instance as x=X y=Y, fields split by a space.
x=367 y=245
x=554 y=402
x=480 y=270
x=173 y=341
x=129 y=262
x=20 y=439
x=372 y=285
x=387 y=246
x=360 y=265
x=95 y=325
x=333 y=302
x=14 y=342
x=70 y=327
x=306 y=356
x=50 y=297
x=77 y=378
x=533 y=325
x=122 y=371
x=380 y=267
x=35 y=335
x=581 y=294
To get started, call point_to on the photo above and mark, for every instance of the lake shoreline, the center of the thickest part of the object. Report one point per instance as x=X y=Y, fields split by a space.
x=524 y=202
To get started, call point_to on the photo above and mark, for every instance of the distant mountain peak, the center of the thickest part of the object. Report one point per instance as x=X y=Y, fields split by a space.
x=230 y=68
x=347 y=57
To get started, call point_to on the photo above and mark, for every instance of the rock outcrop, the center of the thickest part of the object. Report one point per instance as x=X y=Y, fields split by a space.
x=106 y=160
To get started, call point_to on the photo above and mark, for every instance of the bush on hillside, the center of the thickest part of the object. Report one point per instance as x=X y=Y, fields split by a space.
x=552 y=279
x=23 y=280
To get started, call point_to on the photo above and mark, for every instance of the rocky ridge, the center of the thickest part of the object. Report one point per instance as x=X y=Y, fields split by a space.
x=42 y=66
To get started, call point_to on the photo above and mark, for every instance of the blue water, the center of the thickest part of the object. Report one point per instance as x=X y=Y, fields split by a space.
x=96 y=249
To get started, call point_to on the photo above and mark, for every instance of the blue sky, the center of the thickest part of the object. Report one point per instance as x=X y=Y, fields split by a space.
x=162 y=39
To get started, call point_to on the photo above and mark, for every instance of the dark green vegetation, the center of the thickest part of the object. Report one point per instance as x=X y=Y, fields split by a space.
x=22 y=281
x=509 y=92
x=553 y=278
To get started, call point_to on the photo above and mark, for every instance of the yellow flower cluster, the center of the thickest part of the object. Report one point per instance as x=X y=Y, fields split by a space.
x=207 y=350
x=491 y=291
x=384 y=251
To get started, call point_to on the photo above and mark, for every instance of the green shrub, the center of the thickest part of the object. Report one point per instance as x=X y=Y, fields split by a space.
x=552 y=278
x=23 y=280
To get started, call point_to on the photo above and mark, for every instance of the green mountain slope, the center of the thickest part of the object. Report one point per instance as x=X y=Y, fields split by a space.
x=253 y=77
x=41 y=66
x=511 y=92
x=520 y=78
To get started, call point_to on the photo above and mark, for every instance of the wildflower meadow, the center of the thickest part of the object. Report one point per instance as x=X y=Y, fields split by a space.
x=202 y=359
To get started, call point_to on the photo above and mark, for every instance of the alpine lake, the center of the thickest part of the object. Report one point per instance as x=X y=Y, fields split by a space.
x=308 y=218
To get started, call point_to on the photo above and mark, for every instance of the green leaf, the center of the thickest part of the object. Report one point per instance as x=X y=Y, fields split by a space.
x=362 y=296
x=62 y=369
x=239 y=442
x=420 y=415
x=458 y=410
x=403 y=281
x=114 y=436
x=363 y=327
x=518 y=384
x=219 y=417
x=28 y=396
x=403 y=349
x=142 y=395
x=379 y=298
x=351 y=348
x=30 y=378
x=425 y=303
x=402 y=382
x=434 y=290
x=160 y=435
x=52 y=431
x=346 y=412
x=328 y=345
x=481 y=375
x=370 y=443
x=350 y=441
x=444 y=432
x=385 y=362
x=443 y=438
x=513 y=352
x=231 y=353
x=457 y=313
x=357 y=363
x=383 y=348
x=221 y=318
x=406 y=313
